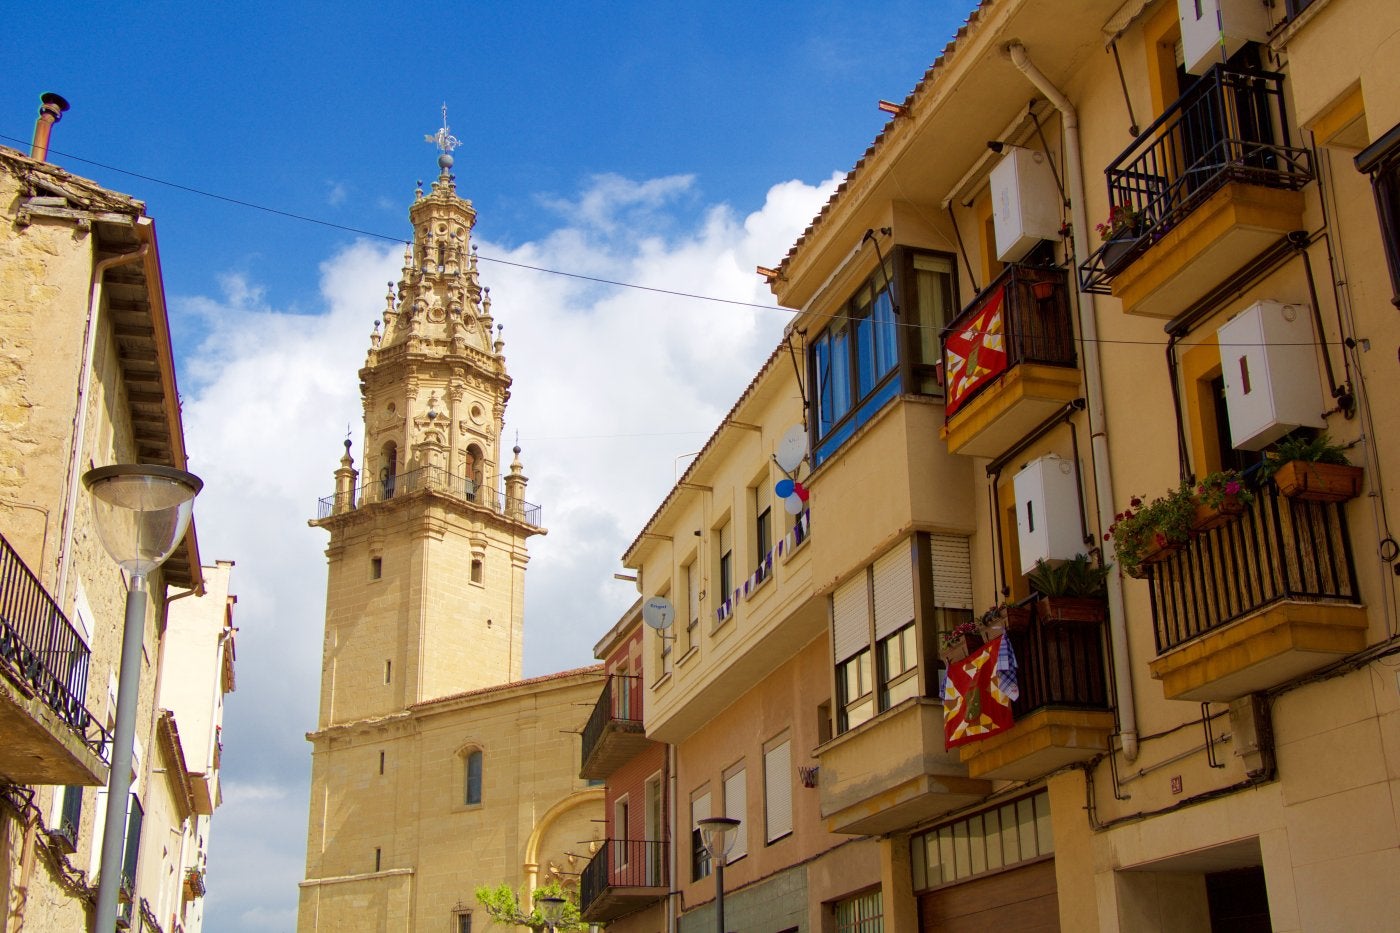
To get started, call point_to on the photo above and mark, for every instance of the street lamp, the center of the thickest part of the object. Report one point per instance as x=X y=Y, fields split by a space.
x=715 y=836
x=553 y=910
x=141 y=512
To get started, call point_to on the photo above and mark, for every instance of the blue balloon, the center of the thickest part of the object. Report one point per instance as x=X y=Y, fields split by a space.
x=783 y=489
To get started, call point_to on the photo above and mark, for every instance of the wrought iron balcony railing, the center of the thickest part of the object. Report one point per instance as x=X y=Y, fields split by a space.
x=40 y=648
x=621 y=701
x=1060 y=665
x=1279 y=548
x=1230 y=127
x=623 y=863
x=483 y=493
x=1022 y=316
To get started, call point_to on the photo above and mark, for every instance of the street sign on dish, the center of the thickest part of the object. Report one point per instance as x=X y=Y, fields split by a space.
x=658 y=613
x=792 y=448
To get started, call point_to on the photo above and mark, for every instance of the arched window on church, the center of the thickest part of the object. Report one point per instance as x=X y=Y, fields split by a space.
x=473 y=468
x=388 y=472
x=471 y=789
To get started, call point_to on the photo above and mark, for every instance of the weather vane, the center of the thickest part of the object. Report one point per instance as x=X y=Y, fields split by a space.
x=444 y=139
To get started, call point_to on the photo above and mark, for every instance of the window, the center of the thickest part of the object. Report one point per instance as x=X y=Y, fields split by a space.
x=850 y=608
x=478 y=572
x=855 y=361
x=699 y=858
x=863 y=913
x=1381 y=160
x=134 y=817
x=892 y=585
x=471 y=791
x=898 y=660
x=950 y=559
x=692 y=601
x=69 y=810
x=378 y=858
x=762 y=530
x=388 y=671
x=725 y=541
x=376 y=568
x=622 y=820
x=736 y=805
x=777 y=789
x=462 y=922
x=994 y=839
x=856 y=696
x=381 y=762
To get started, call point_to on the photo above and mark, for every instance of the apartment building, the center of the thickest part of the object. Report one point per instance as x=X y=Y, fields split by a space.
x=1103 y=254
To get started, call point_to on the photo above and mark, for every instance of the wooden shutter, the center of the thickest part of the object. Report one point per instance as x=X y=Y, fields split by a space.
x=850 y=610
x=952 y=571
x=692 y=598
x=777 y=789
x=894 y=590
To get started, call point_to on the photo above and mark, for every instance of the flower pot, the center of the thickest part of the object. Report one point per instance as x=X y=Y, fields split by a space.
x=1071 y=610
x=1208 y=517
x=1320 y=482
x=961 y=648
x=1158 y=552
x=1115 y=253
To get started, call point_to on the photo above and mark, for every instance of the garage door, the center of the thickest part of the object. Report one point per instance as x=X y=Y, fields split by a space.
x=1021 y=899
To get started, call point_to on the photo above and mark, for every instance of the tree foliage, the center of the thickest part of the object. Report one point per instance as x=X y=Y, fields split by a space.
x=503 y=906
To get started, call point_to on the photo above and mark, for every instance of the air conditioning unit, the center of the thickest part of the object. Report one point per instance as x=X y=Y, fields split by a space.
x=1268 y=359
x=1206 y=25
x=1025 y=202
x=1047 y=512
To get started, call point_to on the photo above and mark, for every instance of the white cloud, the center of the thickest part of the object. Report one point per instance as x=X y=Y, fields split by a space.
x=611 y=386
x=336 y=192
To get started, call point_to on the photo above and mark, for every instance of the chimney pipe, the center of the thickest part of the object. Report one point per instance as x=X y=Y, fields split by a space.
x=51 y=109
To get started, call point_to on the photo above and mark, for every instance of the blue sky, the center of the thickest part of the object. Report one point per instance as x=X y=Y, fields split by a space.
x=672 y=145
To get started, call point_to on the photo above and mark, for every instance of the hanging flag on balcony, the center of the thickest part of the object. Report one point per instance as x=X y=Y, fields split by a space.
x=978 y=692
x=975 y=353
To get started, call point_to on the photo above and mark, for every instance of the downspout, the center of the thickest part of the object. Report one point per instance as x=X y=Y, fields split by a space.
x=1093 y=379
x=673 y=884
x=75 y=454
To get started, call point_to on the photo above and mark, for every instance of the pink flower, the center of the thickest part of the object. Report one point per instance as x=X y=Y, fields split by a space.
x=1232 y=488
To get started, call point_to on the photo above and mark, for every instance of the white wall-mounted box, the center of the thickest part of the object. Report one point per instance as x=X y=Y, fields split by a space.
x=1025 y=202
x=1048 y=525
x=1268 y=357
x=1205 y=24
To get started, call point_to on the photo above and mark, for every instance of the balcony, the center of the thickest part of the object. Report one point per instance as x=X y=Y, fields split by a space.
x=624 y=876
x=50 y=736
x=441 y=482
x=1009 y=360
x=893 y=771
x=1257 y=602
x=1209 y=186
x=614 y=734
x=1063 y=714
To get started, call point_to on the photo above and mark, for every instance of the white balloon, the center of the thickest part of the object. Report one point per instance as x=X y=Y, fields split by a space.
x=794 y=504
x=792 y=448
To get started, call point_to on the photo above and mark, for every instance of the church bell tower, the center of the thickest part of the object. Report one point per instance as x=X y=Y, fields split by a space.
x=427 y=554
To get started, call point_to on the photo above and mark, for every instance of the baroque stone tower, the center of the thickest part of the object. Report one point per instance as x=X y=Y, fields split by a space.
x=425 y=595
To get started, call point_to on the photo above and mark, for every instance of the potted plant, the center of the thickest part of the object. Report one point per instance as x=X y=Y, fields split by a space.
x=1146 y=533
x=1070 y=591
x=1119 y=232
x=964 y=638
x=1221 y=497
x=1010 y=617
x=1313 y=468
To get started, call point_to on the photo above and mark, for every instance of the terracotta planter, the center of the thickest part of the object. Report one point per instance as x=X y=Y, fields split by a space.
x=1071 y=610
x=1155 y=555
x=1010 y=619
x=1320 y=482
x=1208 y=517
x=957 y=652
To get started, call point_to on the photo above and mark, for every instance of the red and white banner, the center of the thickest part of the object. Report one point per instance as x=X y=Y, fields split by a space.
x=978 y=692
x=976 y=353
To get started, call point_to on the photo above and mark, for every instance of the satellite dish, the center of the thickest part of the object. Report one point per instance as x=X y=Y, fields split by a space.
x=792 y=448
x=658 y=613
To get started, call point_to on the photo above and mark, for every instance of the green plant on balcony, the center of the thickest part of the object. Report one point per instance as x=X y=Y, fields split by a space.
x=1070 y=591
x=1123 y=221
x=1145 y=533
x=1311 y=467
x=1220 y=497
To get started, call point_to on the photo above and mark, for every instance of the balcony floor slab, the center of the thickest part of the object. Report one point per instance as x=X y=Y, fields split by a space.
x=1046 y=740
x=1008 y=409
x=39 y=747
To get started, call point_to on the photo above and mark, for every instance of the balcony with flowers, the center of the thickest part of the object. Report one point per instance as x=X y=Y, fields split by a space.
x=1252 y=581
x=1210 y=185
x=1009 y=360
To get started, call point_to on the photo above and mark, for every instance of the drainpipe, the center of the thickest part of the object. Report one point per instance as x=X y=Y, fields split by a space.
x=1089 y=352
x=75 y=454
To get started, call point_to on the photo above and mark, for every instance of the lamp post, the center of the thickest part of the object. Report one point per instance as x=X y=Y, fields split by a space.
x=141 y=512
x=553 y=910
x=715 y=836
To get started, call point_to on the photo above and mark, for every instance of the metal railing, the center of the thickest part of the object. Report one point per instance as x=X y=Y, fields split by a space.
x=483 y=493
x=1279 y=548
x=41 y=649
x=1034 y=329
x=1230 y=127
x=1061 y=665
x=624 y=863
x=621 y=701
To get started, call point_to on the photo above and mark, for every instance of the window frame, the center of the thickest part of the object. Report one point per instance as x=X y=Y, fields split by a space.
x=1381 y=161
x=468 y=756
x=701 y=866
x=860 y=664
x=773 y=784
x=736 y=777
